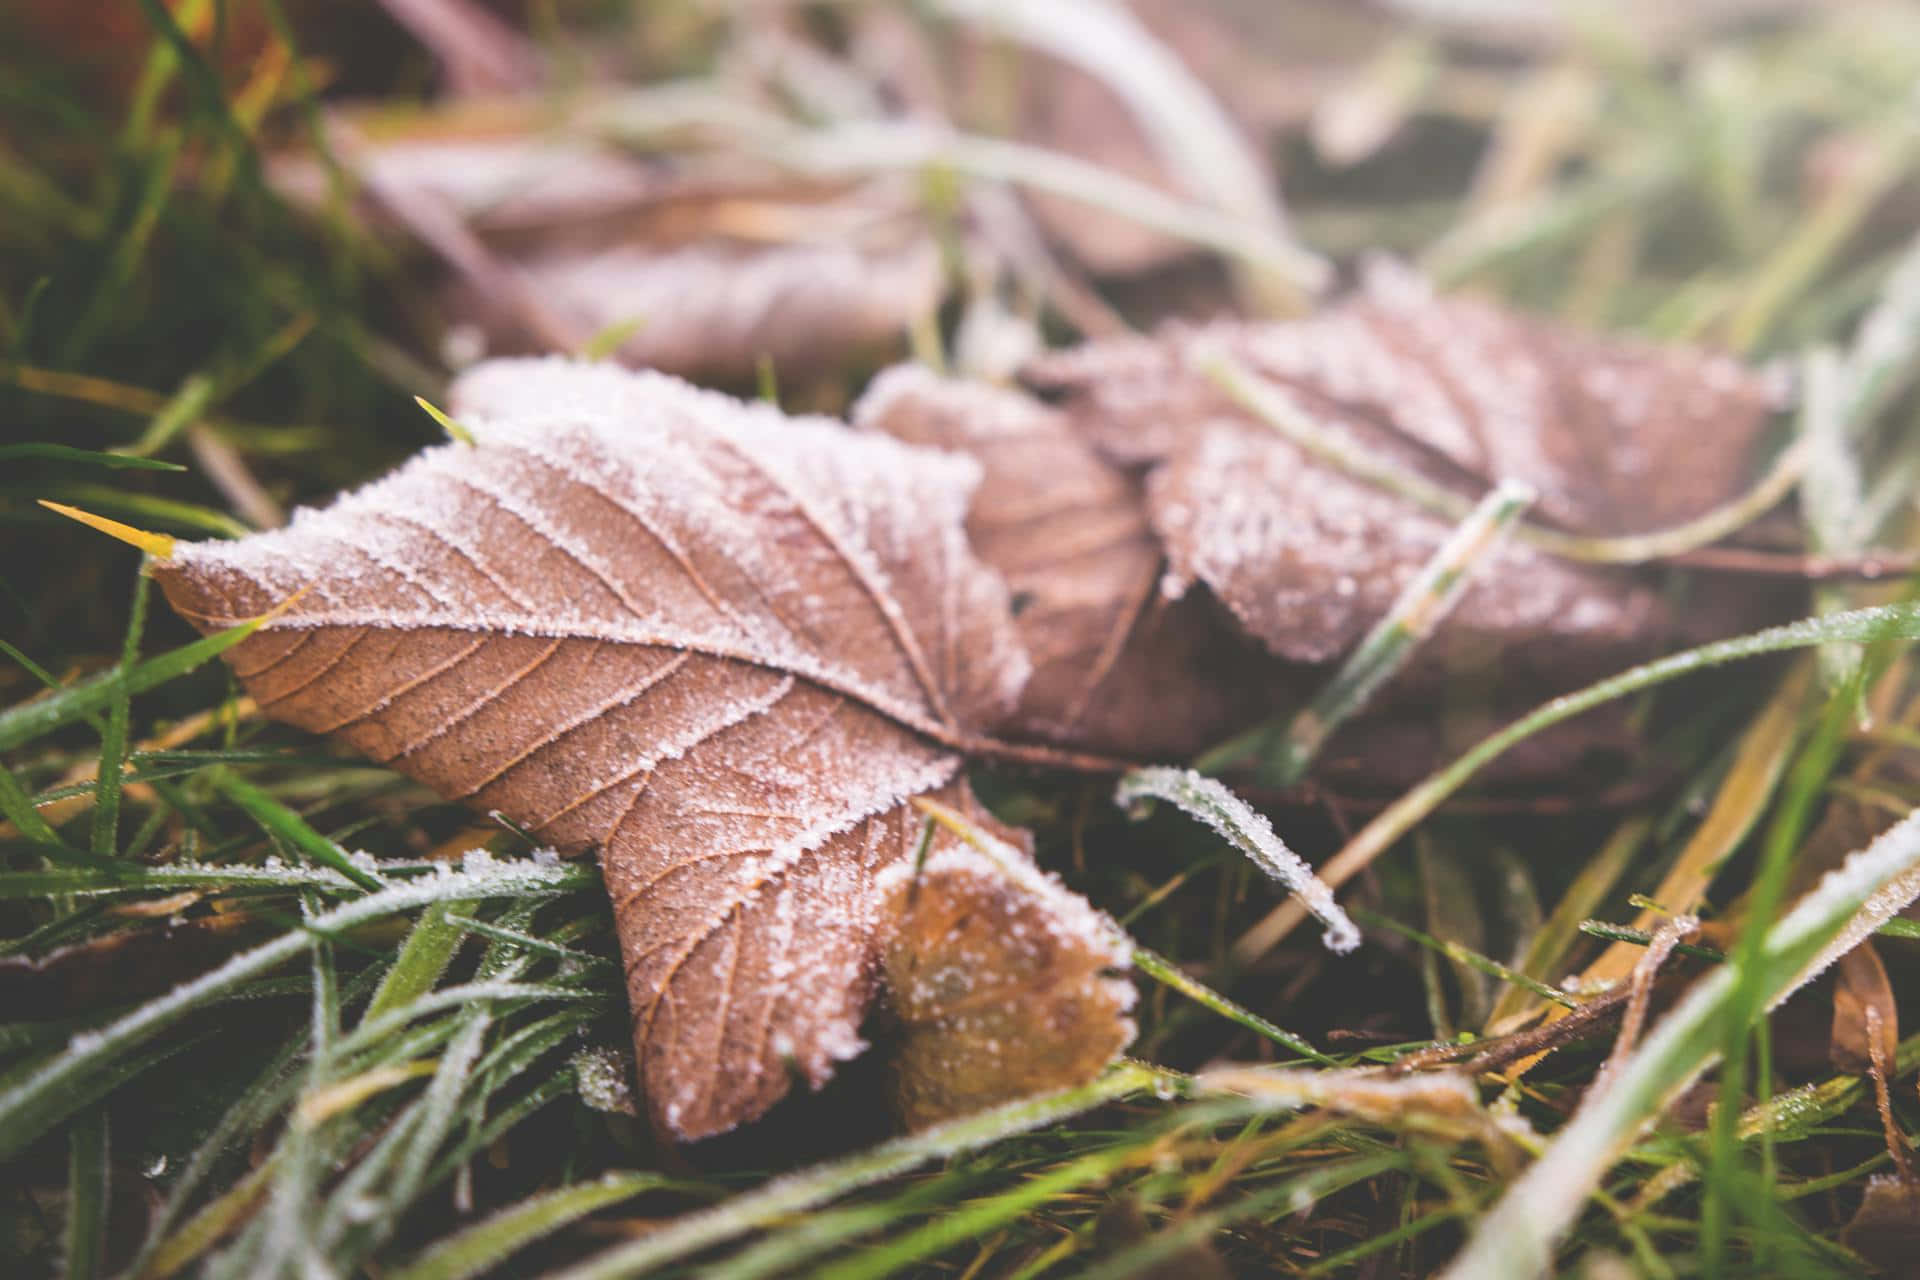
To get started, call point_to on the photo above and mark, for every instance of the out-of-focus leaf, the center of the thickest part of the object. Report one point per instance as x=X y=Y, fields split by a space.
x=1117 y=666
x=1860 y=985
x=1456 y=392
x=1885 y=1229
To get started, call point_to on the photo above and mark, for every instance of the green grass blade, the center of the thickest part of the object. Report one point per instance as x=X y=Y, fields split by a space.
x=974 y=1220
x=1209 y=802
x=423 y=958
x=1301 y=1190
x=1516 y=1239
x=18 y=808
x=486 y=1244
x=1900 y=621
x=31 y=1107
x=291 y=829
x=84 y=457
x=810 y=1188
x=88 y=1171
x=113 y=741
x=30 y=720
x=1164 y=971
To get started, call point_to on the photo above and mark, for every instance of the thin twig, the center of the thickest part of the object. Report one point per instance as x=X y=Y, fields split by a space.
x=1898 y=1146
x=1640 y=989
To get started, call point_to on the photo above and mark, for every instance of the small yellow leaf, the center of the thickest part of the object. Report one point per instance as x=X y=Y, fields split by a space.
x=157 y=545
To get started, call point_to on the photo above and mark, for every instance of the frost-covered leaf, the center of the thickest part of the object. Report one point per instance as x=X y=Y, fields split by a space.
x=717 y=308
x=1617 y=437
x=997 y=976
x=1116 y=665
x=713 y=263
x=722 y=645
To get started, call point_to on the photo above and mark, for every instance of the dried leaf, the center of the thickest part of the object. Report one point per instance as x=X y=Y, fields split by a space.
x=996 y=975
x=720 y=644
x=1610 y=433
x=1885 y=1230
x=1117 y=667
x=717 y=309
x=1120 y=667
x=717 y=262
x=1311 y=572
x=1863 y=1008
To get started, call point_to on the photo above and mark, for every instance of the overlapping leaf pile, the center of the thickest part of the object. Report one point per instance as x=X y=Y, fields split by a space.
x=732 y=649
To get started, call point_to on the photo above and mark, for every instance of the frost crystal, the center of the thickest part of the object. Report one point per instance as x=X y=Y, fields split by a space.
x=601 y=1075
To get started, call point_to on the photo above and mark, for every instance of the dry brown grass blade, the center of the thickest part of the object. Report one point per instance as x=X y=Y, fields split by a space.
x=1757 y=764
x=197 y=725
x=1640 y=992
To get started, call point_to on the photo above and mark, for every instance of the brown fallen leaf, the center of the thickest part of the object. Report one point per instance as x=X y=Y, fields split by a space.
x=1885 y=1229
x=996 y=975
x=1863 y=1010
x=1116 y=665
x=722 y=645
x=718 y=309
x=1617 y=437
x=707 y=263
x=1120 y=667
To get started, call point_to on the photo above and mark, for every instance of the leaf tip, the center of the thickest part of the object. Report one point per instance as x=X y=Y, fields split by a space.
x=447 y=424
x=157 y=545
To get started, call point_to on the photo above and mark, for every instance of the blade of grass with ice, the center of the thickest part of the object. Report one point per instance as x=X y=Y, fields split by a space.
x=1246 y=830
x=31 y=1107
x=1517 y=1238
x=487 y=1243
x=797 y=1193
x=1283 y=752
x=291 y=829
x=1887 y=622
x=1164 y=971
